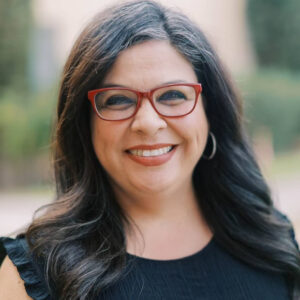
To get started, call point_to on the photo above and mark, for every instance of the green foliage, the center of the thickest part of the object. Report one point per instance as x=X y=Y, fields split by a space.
x=25 y=117
x=25 y=124
x=272 y=99
x=15 y=25
x=275 y=31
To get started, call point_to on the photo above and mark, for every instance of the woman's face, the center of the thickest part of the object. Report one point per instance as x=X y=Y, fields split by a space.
x=144 y=67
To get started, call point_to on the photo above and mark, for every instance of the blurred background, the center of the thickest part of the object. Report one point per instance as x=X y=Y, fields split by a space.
x=257 y=40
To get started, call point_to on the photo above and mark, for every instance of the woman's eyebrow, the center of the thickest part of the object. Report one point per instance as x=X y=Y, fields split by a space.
x=111 y=85
x=174 y=81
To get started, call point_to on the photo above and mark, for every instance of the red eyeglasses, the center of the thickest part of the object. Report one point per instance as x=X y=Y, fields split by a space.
x=172 y=100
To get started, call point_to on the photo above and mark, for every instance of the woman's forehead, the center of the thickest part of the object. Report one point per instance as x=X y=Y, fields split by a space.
x=154 y=62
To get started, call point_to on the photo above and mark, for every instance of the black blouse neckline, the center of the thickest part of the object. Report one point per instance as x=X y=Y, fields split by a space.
x=186 y=258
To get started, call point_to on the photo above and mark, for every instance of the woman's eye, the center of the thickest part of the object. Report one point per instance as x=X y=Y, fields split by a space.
x=172 y=96
x=118 y=102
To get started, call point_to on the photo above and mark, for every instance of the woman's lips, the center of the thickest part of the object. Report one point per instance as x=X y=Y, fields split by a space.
x=151 y=155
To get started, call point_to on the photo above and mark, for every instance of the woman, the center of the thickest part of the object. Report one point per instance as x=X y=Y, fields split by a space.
x=158 y=193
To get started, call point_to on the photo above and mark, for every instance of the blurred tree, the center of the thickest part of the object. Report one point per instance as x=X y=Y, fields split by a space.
x=275 y=28
x=272 y=101
x=15 y=24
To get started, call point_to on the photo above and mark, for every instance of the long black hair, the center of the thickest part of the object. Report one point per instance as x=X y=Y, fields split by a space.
x=81 y=236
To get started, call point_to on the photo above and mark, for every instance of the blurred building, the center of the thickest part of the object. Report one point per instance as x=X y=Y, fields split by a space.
x=58 y=23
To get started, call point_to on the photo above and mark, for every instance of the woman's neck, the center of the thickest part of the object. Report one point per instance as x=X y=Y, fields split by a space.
x=164 y=225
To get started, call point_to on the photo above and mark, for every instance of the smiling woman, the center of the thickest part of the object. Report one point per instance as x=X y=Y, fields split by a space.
x=158 y=193
x=123 y=147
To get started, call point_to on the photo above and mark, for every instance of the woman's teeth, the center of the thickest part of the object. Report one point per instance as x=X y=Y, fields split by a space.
x=155 y=152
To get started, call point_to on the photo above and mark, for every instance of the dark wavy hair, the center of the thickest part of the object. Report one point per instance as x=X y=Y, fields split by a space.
x=81 y=236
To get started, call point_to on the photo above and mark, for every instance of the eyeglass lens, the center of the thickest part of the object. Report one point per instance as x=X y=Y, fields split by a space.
x=118 y=104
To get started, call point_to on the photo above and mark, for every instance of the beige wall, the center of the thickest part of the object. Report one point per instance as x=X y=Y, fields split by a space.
x=224 y=23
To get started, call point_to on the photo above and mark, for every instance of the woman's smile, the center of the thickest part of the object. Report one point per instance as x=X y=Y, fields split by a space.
x=151 y=155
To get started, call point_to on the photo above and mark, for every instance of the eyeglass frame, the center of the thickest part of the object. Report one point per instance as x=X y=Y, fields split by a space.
x=145 y=94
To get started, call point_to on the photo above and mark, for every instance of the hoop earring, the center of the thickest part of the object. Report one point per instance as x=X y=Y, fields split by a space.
x=214 y=147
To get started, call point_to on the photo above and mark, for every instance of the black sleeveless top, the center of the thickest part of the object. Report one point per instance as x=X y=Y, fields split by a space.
x=210 y=274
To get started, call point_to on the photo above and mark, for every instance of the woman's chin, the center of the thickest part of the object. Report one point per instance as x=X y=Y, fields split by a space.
x=154 y=185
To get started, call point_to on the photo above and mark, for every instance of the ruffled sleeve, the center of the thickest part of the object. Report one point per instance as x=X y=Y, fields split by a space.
x=18 y=252
x=287 y=220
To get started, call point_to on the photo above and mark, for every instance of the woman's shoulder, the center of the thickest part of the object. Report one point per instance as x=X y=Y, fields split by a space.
x=11 y=284
x=20 y=272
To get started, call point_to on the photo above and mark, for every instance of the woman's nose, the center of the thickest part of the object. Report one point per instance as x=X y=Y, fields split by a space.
x=147 y=121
